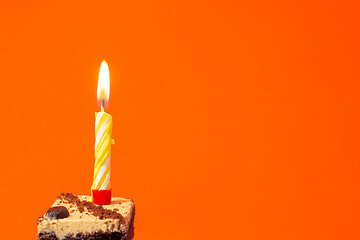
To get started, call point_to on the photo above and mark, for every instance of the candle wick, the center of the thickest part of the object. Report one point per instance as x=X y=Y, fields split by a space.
x=102 y=104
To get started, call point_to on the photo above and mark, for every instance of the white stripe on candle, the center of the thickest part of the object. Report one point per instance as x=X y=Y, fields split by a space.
x=102 y=171
x=106 y=182
x=101 y=131
x=98 y=117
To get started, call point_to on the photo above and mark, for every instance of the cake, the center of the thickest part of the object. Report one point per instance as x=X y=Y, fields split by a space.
x=77 y=217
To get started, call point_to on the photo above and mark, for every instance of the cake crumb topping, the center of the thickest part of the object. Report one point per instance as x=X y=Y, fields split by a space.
x=95 y=210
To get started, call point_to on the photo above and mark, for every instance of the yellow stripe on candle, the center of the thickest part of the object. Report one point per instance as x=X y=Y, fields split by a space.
x=103 y=144
x=100 y=163
x=107 y=171
x=103 y=171
x=101 y=123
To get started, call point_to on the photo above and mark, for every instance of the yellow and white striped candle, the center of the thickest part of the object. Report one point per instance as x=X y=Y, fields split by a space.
x=103 y=141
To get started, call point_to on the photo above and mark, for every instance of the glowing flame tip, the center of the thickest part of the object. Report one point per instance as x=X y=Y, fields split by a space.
x=103 y=89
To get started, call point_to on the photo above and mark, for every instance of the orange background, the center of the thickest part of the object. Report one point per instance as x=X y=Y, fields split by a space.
x=232 y=119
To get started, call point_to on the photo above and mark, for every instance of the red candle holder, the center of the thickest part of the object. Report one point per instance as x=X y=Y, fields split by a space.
x=101 y=197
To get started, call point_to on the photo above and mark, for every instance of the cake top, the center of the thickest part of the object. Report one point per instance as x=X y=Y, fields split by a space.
x=80 y=207
x=83 y=205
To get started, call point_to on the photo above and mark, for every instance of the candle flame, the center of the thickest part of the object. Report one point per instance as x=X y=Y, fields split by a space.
x=103 y=89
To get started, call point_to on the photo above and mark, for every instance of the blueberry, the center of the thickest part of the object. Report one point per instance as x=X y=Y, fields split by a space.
x=57 y=213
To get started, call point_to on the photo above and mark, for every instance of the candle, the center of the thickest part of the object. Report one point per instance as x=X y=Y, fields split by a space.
x=101 y=188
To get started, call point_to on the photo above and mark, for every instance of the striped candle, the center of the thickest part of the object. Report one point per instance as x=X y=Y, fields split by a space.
x=101 y=187
x=103 y=141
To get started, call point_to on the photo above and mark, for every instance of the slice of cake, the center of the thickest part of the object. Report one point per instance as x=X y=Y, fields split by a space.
x=76 y=217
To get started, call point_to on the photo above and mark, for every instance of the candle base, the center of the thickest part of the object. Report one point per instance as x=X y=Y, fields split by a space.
x=101 y=197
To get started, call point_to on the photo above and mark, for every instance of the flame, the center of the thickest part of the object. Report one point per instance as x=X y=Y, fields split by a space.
x=103 y=89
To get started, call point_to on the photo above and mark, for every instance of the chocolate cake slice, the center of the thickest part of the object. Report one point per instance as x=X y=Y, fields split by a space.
x=76 y=217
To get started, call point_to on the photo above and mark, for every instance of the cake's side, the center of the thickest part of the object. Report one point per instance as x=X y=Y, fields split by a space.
x=83 y=236
x=130 y=230
x=89 y=221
